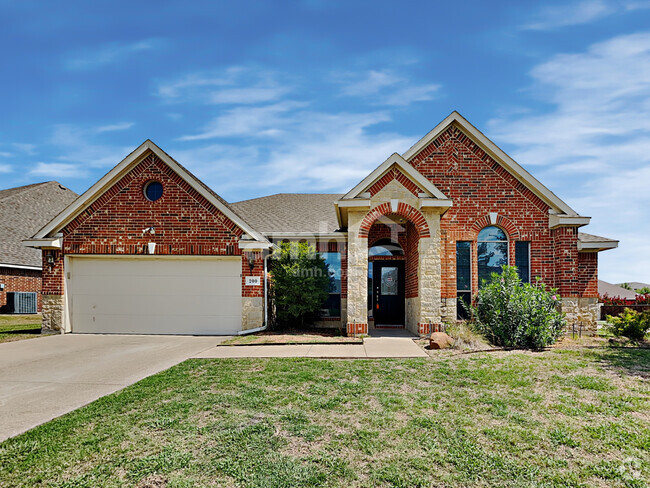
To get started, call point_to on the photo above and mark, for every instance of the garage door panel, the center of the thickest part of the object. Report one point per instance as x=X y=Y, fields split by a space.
x=155 y=296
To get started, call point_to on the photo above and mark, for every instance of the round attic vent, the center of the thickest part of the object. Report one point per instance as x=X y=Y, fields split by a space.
x=153 y=190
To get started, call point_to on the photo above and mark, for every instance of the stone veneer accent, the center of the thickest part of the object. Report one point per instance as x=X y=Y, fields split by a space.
x=53 y=310
x=412 y=313
x=581 y=312
x=357 y=300
x=252 y=315
x=448 y=309
x=429 y=277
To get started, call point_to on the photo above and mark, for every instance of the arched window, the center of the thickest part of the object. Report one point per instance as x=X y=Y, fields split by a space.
x=385 y=247
x=492 y=250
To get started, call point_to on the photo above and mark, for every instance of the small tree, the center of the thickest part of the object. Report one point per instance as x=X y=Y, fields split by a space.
x=300 y=282
x=514 y=314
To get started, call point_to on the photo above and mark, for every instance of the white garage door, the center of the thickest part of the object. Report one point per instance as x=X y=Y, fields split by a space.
x=147 y=295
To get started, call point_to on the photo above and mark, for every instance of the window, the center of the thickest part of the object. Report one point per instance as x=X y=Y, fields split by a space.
x=389 y=280
x=332 y=306
x=153 y=190
x=385 y=247
x=463 y=277
x=522 y=260
x=492 y=251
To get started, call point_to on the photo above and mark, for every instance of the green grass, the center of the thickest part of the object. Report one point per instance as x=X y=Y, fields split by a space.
x=561 y=418
x=17 y=327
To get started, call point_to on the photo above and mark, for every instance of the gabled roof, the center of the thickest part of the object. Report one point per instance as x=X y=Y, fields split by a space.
x=501 y=157
x=395 y=160
x=291 y=213
x=23 y=211
x=122 y=168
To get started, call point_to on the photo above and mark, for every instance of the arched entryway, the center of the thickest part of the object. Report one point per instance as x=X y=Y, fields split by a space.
x=392 y=271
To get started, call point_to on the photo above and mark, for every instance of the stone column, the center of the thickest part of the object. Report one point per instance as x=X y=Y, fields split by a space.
x=429 y=276
x=53 y=309
x=357 y=302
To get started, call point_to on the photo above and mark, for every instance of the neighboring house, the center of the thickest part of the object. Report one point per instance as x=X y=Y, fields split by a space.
x=615 y=291
x=151 y=249
x=23 y=211
x=636 y=285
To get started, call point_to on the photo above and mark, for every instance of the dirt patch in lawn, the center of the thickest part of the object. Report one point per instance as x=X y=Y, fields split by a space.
x=311 y=336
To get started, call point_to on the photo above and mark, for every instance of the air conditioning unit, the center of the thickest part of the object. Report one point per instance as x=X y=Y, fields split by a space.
x=21 y=302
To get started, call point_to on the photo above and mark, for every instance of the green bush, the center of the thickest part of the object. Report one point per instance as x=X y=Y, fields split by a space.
x=631 y=324
x=299 y=283
x=510 y=313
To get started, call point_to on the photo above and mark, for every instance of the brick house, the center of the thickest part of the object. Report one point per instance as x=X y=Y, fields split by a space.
x=150 y=249
x=23 y=211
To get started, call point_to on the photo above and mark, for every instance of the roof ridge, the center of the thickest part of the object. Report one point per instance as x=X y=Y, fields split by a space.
x=286 y=193
x=21 y=189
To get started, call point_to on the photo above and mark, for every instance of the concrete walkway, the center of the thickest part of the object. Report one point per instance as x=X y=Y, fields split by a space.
x=43 y=378
x=372 y=347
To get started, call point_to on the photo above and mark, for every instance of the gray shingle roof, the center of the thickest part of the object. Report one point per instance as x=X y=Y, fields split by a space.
x=614 y=290
x=290 y=212
x=584 y=237
x=23 y=211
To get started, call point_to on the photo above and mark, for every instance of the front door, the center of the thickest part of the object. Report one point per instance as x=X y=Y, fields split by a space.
x=388 y=293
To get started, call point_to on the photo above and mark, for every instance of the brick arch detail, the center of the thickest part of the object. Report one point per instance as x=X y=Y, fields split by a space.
x=403 y=210
x=503 y=222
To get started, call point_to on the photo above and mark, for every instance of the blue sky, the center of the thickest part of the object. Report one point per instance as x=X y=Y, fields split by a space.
x=263 y=97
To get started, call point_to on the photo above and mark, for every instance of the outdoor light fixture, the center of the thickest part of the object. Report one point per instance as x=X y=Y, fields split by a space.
x=49 y=259
x=251 y=261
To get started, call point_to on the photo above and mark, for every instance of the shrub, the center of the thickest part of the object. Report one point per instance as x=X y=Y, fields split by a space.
x=299 y=282
x=465 y=337
x=510 y=313
x=631 y=324
x=643 y=299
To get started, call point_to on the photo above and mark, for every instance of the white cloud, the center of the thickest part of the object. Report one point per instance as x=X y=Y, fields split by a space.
x=269 y=120
x=551 y=17
x=386 y=88
x=58 y=170
x=5 y=168
x=114 y=127
x=80 y=145
x=236 y=85
x=371 y=83
x=555 y=16
x=593 y=146
x=291 y=149
x=97 y=57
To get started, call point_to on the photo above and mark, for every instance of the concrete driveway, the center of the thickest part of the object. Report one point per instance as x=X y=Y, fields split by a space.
x=43 y=378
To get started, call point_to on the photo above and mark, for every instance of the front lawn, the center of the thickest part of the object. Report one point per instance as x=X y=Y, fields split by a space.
x=306 y=336
x=16 y=327
x=557 y=418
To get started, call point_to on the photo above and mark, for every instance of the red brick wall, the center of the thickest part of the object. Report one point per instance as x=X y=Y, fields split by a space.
x=185 y=224
x=394 y=174
x=14 y=279
x=478 y=185
x=412 y=260
x=588 y=274
x=53 y=274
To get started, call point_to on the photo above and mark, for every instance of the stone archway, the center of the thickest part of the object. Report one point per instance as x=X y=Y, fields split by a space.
x=423 y=307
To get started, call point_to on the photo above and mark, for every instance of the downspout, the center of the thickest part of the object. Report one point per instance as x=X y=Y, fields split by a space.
x=266 y=303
